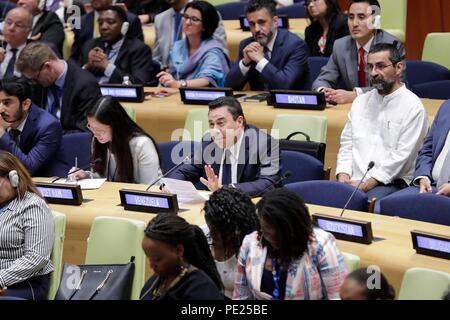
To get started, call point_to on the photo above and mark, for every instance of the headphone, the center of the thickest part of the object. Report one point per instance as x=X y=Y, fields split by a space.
x=13 y=178
x=124 y=28
x=41 y=4
x=376 y=22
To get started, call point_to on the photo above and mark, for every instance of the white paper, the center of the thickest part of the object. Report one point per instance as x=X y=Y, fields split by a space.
x=185 y=190
x=88 y=184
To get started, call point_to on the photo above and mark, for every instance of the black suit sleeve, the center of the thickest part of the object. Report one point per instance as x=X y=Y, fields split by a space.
x=235 y=79
x=52 y=30
x=135 y=30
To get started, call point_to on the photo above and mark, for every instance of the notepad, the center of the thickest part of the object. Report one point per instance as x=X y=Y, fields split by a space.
x=88 y=184
x=185 y=191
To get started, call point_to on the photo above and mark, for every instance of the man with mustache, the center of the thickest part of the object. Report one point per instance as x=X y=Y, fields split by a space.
x=385 y=125
x=272 y=58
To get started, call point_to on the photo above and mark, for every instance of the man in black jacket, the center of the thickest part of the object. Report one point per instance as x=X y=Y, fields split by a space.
x=67 y=91
x=113 y=55
x=46 y=25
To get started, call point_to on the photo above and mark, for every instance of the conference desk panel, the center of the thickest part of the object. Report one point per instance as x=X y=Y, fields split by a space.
x=161 y=116
x=393 y=253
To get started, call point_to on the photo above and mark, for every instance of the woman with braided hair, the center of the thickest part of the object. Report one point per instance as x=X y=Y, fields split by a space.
x=230 y=215
x=179 y=255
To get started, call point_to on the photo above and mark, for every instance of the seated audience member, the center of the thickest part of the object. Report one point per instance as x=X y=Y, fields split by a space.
x=179 y=255
x=26 y=234
x=361 y=284
x=113 y=55
x=233 y=153
x=288 y=259
x=146 y=10
x=16 y=28
x=386 y=125
x=124 y=151
x=272 y=58
x=230 y=215
x=327 y=24
x=168 y=30
x=433 y=162
x=347 y=63
x=67 y=91
x=198 y=60
x=90 y=29
x=30 y=133
x=46 y=25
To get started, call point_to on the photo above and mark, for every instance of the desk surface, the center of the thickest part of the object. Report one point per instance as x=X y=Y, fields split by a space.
x=394 y=254
x=161 y=116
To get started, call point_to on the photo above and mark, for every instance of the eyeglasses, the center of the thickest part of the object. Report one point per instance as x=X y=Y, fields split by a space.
x=378 y=66
x=34 y=80
x=192 y=18
x=96 y=131
x=15 y=24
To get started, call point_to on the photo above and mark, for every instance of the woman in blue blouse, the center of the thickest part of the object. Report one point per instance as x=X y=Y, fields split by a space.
x=198 y=60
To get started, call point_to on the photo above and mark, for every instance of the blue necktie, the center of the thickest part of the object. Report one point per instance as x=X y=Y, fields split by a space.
x=176 y=26
x=226 y=168
x=56 y=93
x=15 y=135
x=9 y=73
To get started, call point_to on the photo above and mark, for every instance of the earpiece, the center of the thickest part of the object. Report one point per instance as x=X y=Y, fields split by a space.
x=124 y=28
x=13 y=178
x=376 y=22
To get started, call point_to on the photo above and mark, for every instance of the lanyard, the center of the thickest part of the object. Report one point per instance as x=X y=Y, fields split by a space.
x=276 y=279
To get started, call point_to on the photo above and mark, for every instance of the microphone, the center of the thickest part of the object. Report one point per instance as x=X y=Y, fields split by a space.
x=98 y=160
x=286 y=175
x=187 y=158
x=369 y=167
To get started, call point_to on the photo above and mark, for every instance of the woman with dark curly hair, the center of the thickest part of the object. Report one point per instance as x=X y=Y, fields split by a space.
x=360 y=285
x=230 y=216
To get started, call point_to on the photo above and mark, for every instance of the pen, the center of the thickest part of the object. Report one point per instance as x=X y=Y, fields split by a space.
x=76 y=162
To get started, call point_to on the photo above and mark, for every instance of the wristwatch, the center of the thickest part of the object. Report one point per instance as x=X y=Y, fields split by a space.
x=183 y=83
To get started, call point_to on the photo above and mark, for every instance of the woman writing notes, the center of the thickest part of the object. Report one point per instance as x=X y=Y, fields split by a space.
x=198 y=60
x=123 y=152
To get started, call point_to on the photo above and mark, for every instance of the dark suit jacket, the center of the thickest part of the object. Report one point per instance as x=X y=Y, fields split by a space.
x=40 y=149
x=87 y=29
x=338 y=29
x=51 y=29
x=434 y=142
x=341 y=71
x=287 y=68
x=81 y=92
x=259 y=162
x=134 y=60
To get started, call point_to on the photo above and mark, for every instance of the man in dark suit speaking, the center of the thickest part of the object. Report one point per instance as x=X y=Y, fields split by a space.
x=233 y=153
x=114 y=55
x=68 y=91
x=272 y=58
x=30 y=133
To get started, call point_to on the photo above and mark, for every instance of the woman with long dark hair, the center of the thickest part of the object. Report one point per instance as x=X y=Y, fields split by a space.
x=327 y=25
x=26 y=234
x=179 y=255
x=288 y=259
x=121 y=150
x=230 y=215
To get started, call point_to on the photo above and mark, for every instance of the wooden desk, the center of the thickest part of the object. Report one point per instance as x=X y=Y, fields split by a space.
x=393 y=255
x=161 y=116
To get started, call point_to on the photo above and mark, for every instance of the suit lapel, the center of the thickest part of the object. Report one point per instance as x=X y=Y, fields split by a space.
x=27 y=132
x=66 y=92
x=352 y=64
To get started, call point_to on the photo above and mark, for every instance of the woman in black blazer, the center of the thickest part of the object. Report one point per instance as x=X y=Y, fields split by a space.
x=327 y=24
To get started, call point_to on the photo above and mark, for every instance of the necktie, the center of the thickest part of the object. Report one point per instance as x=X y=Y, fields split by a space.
x=444 y=176
x=361 y=68
x=15 y=135
x=267 y=53
x=9 y=73
x=177 y=26
x=56 y=93
x=226 y=168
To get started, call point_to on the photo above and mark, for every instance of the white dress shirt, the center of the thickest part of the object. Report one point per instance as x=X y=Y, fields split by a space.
x=388 y=130
x=234 y=159
x=263 y=62
x=8 y=57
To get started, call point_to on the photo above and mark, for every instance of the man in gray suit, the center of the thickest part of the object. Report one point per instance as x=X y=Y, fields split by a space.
x=169 y=28
x=344 y=77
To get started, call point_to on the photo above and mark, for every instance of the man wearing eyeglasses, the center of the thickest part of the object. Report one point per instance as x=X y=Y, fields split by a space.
x=385 y=125
x=16 y=28
x=168 y=29
x=65 y=90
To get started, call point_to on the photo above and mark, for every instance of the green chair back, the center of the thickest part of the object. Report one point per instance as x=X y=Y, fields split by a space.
x=352 y=262
x=393 y=17
x=436 y=48
x=131 y=112
x=196 y=124
x=59 y=221
x=114 y=240
x=424 y=284
x=314 y=126
x=217 y=2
